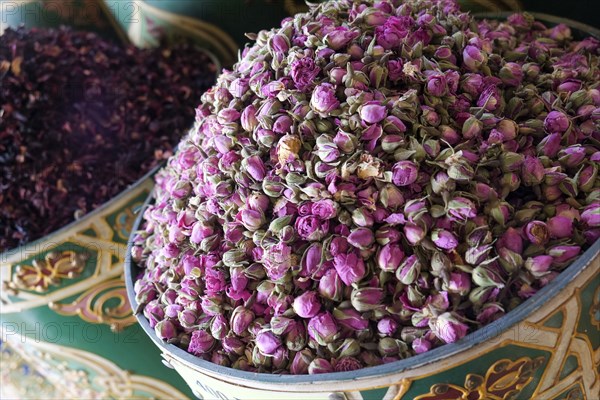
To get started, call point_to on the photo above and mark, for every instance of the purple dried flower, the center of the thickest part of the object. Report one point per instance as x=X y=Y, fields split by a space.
x=267 y=342
x=350 y=267
x=373 y=112
x=448 y=328
x=307 y=305
x=404 y=173
x=591 y=215
x=323 y=328
x=350 y=319
x=444 y=239
x=537 y=232
x=556 y=122
x=473 y=58
x=387 y=326
x=201 y=342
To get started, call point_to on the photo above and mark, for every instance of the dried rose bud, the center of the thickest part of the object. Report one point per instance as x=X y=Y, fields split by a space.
x=511 y=74
x=372 y=112
x=572 y=156
x=389 y=257
x=267 y=342
x=219 y=327
x=539 y=265
x=323 y=99
x=366 y=299
x=391 y=197
x=350 y=318
x=414 y=233
x=320 y=366
x=473 y=58
x=477 y=255
x=510 y=261
x=201 y=342
x=404 y=173
x=409 y=270
x=296 y=338
x=361 y=238
x=345 y=364
x=532 y=171
x=388 y=346
x=537 y=232
x=472 y=128
x=421 y=345
x=591 y=215
x=350 y=267
x=563 y=254
x=241 y=319
x=331 y=286
x=461 y=209
x=444 y=239
x=323 y=329
x=307 y=305
x=448 y=328
x=387 y=326
x=556 y=122
x=301 y=361
x=459 y=282
x=165 y=330
x=436 y=85
x=560 y=227
x=483 y=276
x=550 y=145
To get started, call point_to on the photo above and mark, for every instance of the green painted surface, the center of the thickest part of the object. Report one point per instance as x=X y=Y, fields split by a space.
x=89 y=232
x=555 y=321
x=571 y=364
x=118 y=218
x=375 y=394
x=480 y=366
x=590 y=299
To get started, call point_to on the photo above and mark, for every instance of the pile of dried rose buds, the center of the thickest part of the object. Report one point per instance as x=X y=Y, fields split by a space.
x=372 y=180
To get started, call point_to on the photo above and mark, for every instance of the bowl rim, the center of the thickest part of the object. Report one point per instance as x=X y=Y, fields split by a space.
x=480 y=336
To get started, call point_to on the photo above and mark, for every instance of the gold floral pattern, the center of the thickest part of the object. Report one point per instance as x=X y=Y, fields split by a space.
x=92 y=307
x=48 y=272
x=504 y=380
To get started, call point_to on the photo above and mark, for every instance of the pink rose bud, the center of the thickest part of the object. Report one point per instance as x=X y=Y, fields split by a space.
x=323 y=329
x=331 y=285
x=591 y=215
x=373 y=112
x=472 y=128
x=404 y=173
x=560 y=227
x=241 y=319
x=340 y=37
x=511 y=74
x=389 y=257
x=154 y=312
x=391 y=197
x=448 y=328
x=303 y=73
x=587 y=176
x=572 y=156
x=187 y=318
x=473 y=58
x=201 y=342
x=444 y=239
x=550 y=145
x=267 y=342
x=421 y=345
x=532 y=171
x=307 y=305
x=350 y=319
x=259 y=202
x=319 y=366
x=460 y=282
x=323 y=99
x=387 y=326
x=345 y=364
x=556 y=122
x=325 y=209
x=301 y=361
x=537 y=232
x=350 y=267
x=409 y=270
x=252 y=219
x=539 y=266
x=311 y=228
x=414 y=233
x=361 y=238
x=564 y=254
x=248 y=119
x=472 y=84
x=219 y=327
x=366 y=298
x=436 y=85
x=477 y=255
x=461 y=209
x=490 y=99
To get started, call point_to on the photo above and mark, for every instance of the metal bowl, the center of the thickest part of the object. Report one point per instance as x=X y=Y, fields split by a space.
x=546 y=348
